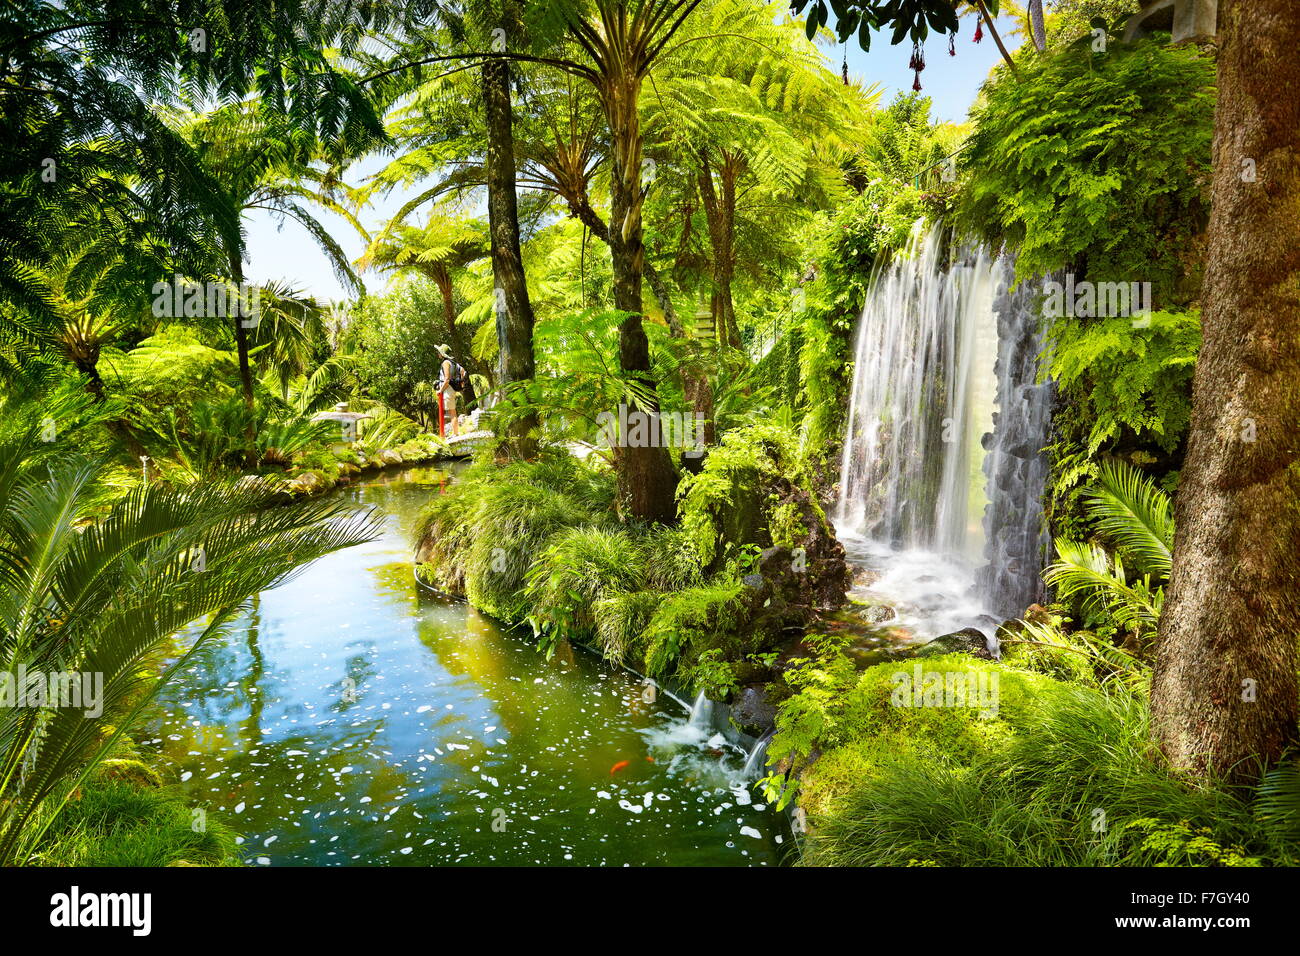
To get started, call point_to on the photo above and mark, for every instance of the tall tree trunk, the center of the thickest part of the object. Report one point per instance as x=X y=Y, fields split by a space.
x=1224 y=689
x=1036 y=26
x=720 y=213
x=442 y=278
x=245 y=369
x=515 y=321
x=580 y=206
x=647 y=482
x=695 y=378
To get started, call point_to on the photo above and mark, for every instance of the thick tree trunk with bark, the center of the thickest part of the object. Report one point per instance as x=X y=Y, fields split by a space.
x=695 y=379
x=1036 y=25
x=515 y=320
x=1225 y=688
x=647 y=481
x=584 y=212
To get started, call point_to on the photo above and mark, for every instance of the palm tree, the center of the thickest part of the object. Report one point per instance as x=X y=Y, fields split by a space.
x=263 y=161
x=103 y=598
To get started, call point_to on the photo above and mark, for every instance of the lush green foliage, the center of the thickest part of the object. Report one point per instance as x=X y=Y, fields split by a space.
x=103 y=599
x=118 y=823
x=1131 y=377
x=540 y=543
x=1135 y=519
x=1074 y=781
x=392 y=338
x=1096 y=162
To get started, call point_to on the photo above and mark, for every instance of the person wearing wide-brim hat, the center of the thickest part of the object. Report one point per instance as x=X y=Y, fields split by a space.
x=451 y=382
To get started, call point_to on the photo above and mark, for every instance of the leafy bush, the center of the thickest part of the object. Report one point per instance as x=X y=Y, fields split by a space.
x=726 y=505
x=394 y=336
x=622 y=619
x=1096 y=161
x=1128 y=376
x=484 y=535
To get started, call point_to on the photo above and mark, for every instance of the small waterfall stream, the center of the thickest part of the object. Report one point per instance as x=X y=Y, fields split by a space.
x=942 y=468
x=701 y=717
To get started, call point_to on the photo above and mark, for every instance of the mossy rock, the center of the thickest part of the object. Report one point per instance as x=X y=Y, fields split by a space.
x=968 y=640
x=129 y=770
x=880 y=719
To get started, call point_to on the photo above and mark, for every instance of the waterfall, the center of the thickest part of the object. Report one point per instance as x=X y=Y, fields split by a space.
x=922 y=400
x=757 y=758
x=945 y=365
x=701 y=714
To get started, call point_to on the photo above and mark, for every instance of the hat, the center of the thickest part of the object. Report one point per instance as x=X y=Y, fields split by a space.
x=443 y=351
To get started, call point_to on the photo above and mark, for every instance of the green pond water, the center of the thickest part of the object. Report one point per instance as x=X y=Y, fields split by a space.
x=356 y=718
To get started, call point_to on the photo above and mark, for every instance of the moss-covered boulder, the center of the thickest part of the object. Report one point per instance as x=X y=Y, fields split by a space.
x=953 y=708
x=968 y=640
x=755 y=491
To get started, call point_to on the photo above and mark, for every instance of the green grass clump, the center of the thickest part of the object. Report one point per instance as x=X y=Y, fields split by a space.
x=690 y=622
x=577 y=568
x=116 y=823
x=506 y=532
x=1076 y=782
x=482 y=537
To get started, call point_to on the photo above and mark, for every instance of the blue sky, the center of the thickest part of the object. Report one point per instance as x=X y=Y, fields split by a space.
x=287 y=252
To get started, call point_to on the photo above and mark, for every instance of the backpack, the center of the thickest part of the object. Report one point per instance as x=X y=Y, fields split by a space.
x=459 y=377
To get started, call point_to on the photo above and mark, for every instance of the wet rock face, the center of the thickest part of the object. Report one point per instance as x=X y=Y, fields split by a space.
x=878 y=613
x=1016 y=466
x=753 y=709
x=864 y=578
x=966 y=641
x=770 y=509
x=816 y=557
x=803 y=582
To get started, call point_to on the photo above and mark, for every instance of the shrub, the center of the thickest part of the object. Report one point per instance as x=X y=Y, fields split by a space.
x=622 y=620
x=1128 y=378
x=1095 y=160
x=727 y=505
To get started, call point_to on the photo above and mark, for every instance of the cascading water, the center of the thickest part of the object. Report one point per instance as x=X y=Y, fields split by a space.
x=701 y=716
x=939 y=346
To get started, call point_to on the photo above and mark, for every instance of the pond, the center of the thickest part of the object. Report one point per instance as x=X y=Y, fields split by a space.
x=356 y=718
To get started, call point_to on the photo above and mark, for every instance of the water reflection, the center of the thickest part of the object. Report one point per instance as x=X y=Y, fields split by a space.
x=355 y=718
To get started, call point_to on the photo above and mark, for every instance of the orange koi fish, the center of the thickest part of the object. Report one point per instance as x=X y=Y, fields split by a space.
x=618 y=766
